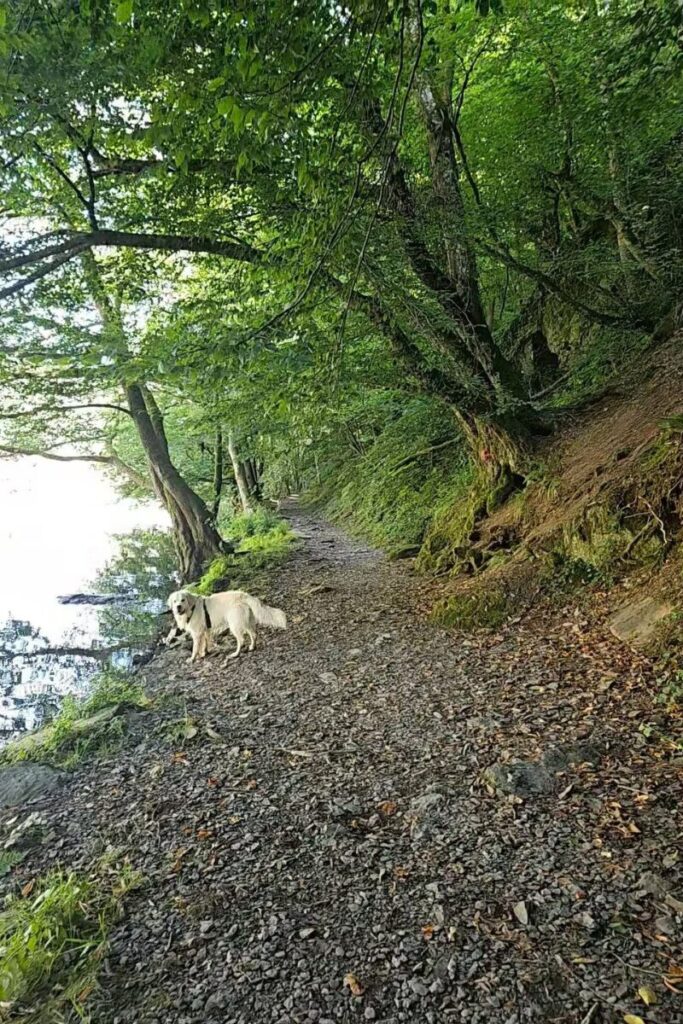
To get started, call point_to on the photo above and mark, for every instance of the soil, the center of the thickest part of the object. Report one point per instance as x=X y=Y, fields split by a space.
x=370 y=818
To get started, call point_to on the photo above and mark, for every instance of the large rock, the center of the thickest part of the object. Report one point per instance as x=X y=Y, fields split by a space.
x=636 y=623
x=21 y=783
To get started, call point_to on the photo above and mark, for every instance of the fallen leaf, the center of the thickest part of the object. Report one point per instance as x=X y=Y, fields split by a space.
x=521 y=913
x=388 y=807
x=647 y=995
x=633 y=1018
x=428 y=930
x=352 y=983
x=211 y=733
x=190 y=731
x=204 y=833
x=401 y=872
x=28 y=888
x=179 y=854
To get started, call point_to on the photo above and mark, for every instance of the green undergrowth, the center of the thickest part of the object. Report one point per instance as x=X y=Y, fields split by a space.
x=262 y=539
x=53 y=938
x=82 y=728
x=388 y=490
x=484 y=608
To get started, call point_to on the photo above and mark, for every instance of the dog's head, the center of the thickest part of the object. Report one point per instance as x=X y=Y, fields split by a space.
x=182 y=603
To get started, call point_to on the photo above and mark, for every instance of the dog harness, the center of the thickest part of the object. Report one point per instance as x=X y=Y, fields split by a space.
x=207 y=617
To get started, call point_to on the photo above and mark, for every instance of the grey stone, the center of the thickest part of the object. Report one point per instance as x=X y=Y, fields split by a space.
x=636 y=622
x=21 y=783
x=520 y=778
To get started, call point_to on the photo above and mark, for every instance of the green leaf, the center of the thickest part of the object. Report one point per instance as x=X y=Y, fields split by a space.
x=124 y=12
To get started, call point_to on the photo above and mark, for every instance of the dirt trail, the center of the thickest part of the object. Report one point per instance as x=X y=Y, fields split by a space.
x=336 y=820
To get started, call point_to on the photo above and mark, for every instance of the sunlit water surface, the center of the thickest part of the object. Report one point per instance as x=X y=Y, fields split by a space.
x=58 y=528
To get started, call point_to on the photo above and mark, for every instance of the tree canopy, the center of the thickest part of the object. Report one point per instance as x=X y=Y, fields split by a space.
x=266 y=230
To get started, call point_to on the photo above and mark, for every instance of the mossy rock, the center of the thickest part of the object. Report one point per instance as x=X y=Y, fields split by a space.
x=30 y=746
x=481 y=609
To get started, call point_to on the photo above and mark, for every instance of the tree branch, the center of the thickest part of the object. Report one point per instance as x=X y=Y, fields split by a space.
x=62 y=408
x=42 y=272
x=9 y=451
x=79 y=241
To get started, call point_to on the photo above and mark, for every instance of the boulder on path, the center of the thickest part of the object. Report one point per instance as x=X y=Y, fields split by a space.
x=21 y=783
x=635 y=623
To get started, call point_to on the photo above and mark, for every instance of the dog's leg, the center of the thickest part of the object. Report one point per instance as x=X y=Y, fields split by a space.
x=239 y=646
x=195 y=648
x=252 y=639
x=202 y=645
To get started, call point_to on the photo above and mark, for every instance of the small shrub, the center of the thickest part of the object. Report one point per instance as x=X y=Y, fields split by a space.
x=251 y=524
x=483 y=609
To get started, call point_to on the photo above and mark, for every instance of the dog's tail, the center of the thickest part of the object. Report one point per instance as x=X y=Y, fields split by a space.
x=265 y=615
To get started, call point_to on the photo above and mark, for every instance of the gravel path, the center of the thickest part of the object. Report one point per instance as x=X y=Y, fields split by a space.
x=329 y=846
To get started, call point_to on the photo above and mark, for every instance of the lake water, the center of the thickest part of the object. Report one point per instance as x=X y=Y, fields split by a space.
x=58 y=527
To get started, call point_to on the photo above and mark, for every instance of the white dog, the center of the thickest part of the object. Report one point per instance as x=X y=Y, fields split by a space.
x=233 y=610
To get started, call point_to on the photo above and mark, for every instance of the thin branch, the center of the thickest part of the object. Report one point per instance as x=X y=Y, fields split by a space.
x=42 y=272
x=63 y=408
x=33 y=453
x=51 y=162
x=98 y=653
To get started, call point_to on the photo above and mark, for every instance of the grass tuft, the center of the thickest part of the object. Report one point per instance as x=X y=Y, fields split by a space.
x=264 y=540
x=53 y=938
x=66 y=740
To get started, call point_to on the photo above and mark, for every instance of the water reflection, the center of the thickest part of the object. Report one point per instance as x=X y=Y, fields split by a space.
x=35 y=673
x=60 y=533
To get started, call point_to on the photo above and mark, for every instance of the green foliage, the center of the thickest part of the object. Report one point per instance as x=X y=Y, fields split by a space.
x=404 y=464
x=251 y=524
x=64 y=742
x=304 y=307
x=8 y=859
x=113 y=687
x=447 y=544
x=52 y=939
x=263 y=540
x=484 y=608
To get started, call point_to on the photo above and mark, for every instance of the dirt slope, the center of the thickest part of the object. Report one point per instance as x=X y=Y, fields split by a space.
x=342 y=822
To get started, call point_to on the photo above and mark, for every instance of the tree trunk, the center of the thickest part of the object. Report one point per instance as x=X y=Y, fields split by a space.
x=196 y=539
x=240 y=476
x=499 y=449
x=217 y=473
x=462 y=297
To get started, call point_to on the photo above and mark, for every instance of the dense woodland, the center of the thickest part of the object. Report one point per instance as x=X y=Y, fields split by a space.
x=370 y=252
